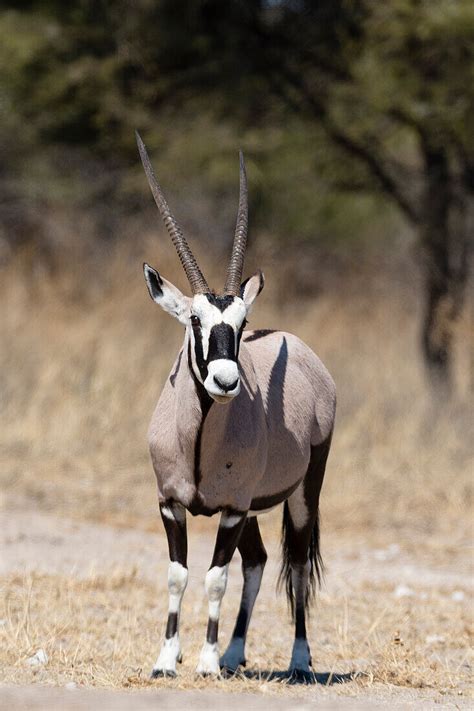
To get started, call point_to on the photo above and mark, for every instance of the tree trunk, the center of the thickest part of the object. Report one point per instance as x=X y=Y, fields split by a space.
x=445 y=228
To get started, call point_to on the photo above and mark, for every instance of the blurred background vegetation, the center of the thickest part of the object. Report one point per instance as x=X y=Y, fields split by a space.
x=353 y=115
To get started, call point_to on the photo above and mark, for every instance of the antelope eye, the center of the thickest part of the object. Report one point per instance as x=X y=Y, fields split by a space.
x=195 y=321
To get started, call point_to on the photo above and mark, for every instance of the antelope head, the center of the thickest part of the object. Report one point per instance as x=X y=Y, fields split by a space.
x=214 y=322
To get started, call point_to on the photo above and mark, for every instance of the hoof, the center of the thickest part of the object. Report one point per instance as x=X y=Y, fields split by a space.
x=229 y=668
x=162 y=673
x=229 y=673
x=301 y=676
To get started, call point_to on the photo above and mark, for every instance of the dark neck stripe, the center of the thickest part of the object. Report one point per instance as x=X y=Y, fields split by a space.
x=205 y=401
x=198 y=352
x=176 y=370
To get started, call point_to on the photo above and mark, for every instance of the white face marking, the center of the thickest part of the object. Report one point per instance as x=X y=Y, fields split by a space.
x=227 y=373
x=210 y=316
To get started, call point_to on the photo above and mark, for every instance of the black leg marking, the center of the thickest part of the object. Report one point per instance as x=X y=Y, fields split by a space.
x=171 y=625
x=227 y=538
x=302 y=564
x=175 y=528
x=212 y=631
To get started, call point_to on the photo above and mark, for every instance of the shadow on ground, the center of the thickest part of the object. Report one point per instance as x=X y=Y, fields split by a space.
x=296 y=677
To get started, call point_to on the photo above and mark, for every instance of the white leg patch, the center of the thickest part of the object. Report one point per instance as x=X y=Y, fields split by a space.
x=165 y=511
x=177 y=513
x=171 y=649
x=208 y=659
x=177 y=581
x=216 y=583
x=168 y=656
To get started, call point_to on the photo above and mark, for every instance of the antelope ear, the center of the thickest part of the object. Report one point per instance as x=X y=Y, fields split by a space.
x=167 y=295
x=251 y=288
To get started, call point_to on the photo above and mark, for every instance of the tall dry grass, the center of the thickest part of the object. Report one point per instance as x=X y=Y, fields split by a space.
x=85 y=352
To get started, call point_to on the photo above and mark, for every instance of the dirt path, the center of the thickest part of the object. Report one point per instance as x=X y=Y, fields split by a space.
x=49 y=699
x=42 y=543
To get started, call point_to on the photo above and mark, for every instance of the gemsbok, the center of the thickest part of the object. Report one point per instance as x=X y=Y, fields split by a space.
x=267 y=446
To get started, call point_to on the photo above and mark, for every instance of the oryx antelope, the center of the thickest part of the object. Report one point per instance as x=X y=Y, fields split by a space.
x=267 y=445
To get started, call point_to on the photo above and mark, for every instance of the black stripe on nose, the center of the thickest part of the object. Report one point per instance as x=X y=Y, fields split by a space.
x=221 y=342
x=226 y=388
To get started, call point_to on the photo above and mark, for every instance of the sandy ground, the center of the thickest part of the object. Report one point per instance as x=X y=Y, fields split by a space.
x=53 y=546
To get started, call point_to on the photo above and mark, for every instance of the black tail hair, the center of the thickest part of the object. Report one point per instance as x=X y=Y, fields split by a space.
x=316 y=562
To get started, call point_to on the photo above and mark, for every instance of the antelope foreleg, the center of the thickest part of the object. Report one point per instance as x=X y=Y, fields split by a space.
x=230 y=528
x=174 y=520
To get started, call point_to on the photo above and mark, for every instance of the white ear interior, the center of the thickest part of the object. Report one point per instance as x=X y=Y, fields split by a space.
x=167 y=295
x=251 y=289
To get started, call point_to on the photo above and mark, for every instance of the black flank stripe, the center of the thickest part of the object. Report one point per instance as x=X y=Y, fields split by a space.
x=261 y=333
x=265 y=502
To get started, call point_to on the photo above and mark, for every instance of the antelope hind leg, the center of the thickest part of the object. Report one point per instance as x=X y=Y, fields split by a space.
x=254 y=557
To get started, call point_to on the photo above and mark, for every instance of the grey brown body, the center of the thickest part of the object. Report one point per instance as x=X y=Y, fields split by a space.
x=254 y=451
x=244 y=423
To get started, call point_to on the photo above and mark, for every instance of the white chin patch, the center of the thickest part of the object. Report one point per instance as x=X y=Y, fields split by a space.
x=223 y=381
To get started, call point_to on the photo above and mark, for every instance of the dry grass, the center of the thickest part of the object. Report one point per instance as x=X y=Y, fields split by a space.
x=102 y=631
x=79 y=379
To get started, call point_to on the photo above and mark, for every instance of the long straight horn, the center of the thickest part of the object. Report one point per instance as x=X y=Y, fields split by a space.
x=196 y=280
x=236 y=264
